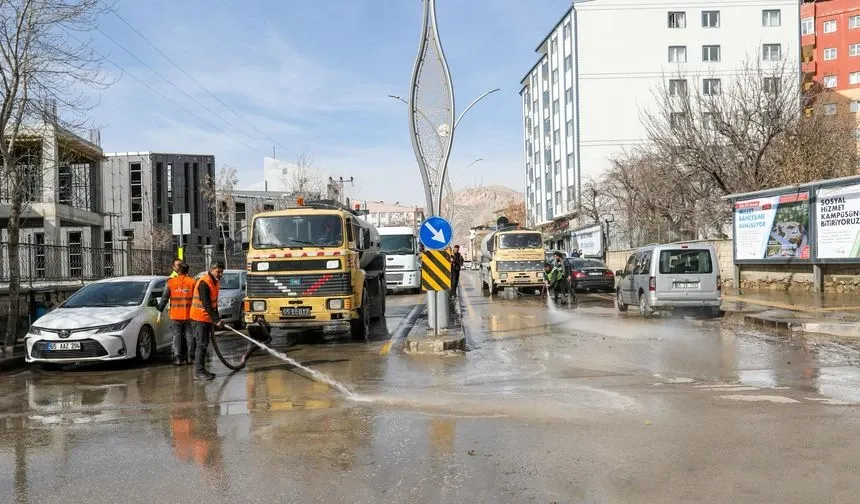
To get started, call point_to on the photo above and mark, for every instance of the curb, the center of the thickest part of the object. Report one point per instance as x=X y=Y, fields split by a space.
x=11 y=363
x=449 y=341
x=830 y=329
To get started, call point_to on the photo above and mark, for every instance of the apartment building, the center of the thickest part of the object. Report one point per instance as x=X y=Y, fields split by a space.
x=584 y=98
x=830 y=38
x=143 y=189
x=382 y=214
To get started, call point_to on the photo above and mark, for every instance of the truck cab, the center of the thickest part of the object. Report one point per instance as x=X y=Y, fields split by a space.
x=402 y=260
x=512 y=257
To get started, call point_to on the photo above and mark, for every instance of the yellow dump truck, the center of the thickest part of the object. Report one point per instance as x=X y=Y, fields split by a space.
x=315 y=266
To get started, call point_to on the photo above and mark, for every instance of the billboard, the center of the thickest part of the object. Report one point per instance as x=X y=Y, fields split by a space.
x=838 y=219
x=772 y=228
x=588 y=241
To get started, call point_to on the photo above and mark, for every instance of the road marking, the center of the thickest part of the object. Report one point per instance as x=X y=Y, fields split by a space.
x=759 y=398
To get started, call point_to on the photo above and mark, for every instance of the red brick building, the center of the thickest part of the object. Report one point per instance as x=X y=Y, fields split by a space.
x=830 y=40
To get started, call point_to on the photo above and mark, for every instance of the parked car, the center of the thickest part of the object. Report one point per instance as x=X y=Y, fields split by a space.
x=112 y=319
x=231 y=296
x=676 y=275
x=590 y=274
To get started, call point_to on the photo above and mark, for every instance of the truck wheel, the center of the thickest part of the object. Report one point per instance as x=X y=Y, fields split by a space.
x=381 y=313
x=360 y=327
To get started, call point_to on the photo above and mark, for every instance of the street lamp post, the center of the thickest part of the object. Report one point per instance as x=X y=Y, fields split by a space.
x=609 y=219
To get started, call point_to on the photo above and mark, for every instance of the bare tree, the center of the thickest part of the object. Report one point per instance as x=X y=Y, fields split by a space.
x=305 y=180
x=219 y=194
x=43 y=65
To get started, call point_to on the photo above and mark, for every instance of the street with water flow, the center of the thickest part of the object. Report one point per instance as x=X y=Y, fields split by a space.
x=567 y=403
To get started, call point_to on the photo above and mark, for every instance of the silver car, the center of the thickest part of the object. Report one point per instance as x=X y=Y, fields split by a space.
x=231 y=295
x=675 y=275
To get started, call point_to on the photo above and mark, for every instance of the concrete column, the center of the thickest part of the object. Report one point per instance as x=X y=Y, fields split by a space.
x=50 y=166
x=818 y=277
x=127 y=260
x=736 y=278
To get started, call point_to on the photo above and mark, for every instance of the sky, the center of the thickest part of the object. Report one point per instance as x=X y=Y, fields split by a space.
x=312 y=77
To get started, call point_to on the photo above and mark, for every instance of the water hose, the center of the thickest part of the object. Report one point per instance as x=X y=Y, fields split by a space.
x=252 y=328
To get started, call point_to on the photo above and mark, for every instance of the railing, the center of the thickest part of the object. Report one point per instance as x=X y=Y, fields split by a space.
x=45 y=264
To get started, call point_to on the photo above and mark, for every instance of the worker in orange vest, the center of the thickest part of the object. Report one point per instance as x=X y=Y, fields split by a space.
x=204 y=317
x=179 y=293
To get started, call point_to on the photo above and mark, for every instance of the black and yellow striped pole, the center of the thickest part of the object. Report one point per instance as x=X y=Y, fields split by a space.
x=435 y=271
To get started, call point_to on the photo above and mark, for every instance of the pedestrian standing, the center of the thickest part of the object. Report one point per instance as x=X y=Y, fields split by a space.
x=204 y=317
x=179 y=294
x=175 y=268
x=456 y=266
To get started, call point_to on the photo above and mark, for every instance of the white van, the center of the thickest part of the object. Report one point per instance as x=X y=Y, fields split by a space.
x=674 y=275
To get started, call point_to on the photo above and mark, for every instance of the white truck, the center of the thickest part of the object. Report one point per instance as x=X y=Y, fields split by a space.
x=402 y=259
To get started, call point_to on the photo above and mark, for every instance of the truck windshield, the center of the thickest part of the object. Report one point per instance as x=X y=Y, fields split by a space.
x=289 y=231
x=520 y=241
x=398 y=244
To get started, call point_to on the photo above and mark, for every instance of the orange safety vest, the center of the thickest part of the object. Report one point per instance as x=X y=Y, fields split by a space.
x=181 y=293
x=198 y=313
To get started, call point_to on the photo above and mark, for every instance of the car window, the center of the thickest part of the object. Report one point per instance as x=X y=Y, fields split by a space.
x=108 y=294
x=685 y=261
x=631 y=264
x=643 y=264
x=586 y=263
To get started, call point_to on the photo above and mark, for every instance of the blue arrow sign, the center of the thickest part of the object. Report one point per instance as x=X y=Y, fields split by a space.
x=435 y=233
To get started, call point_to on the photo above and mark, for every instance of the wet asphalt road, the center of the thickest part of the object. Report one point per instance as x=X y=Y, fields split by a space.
x=578 y=404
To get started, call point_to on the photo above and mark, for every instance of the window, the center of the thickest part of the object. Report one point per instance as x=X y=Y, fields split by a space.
x=854 y=50
x=546 y=127
x=677 y=20
x=556 y=137
x=711 y=53
x=108 y=253
x=710 y=87
x=568 y=63
x=569 y=129
x=186 y=183
x=853 y=78
x=556 y=167
x=853 y=22
x=555 y=76
x=830 y=53
x=555 y=106
x=75 y=254
x=240 y=212
x=677 y=54
x=830 y=109
x=678 y=87
x=677 y=119
x=685 y=261
x=544 y=71
x=545 y=99
x=554 y=45
x=159 y=187
x=568 y=96
x=830 y=81
x=854 y=106
x=710 y=19
x=771 y=85
x=771 y=52
x=570 y=161
x=558 y=196
x=196 y=209
x=136 y=183
x=807 y=26
x=770 y=18
x=830 y=26
x=566 y=31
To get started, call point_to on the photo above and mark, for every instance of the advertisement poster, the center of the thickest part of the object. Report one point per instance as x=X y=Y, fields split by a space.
x=838 y=211
x=775 y=227
x=588 y=241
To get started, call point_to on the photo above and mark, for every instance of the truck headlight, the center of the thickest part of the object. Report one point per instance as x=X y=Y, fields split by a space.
x=334 y=304
x=258 y=306
x=503 y=275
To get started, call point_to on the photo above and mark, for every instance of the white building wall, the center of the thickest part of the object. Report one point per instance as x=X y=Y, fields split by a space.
x=620 y=51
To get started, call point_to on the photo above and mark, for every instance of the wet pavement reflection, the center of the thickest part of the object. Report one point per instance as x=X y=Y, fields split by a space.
x=574 y=404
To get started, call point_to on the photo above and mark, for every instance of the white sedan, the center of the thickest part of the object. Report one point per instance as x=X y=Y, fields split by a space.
x=113 y=319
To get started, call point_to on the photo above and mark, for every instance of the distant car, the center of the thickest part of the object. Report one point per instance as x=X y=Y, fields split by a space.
x=113 y=319
x=231 y=295
x=590 y=274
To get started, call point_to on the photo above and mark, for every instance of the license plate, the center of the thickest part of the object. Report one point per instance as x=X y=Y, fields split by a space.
x=295 y=282
x=596 y=273
x=686 y=285
x=293 y=311
x=65 y=345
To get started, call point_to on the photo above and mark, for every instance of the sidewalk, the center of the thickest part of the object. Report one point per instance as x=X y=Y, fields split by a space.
x=804 y=312
x=12 y=361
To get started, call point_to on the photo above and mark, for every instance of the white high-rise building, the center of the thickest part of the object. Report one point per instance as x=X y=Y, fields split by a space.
x=601 y=65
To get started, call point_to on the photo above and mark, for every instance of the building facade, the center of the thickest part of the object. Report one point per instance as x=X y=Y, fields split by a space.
x=584 y=99
x=143 y=189
x=830 y=38
x=382 y=214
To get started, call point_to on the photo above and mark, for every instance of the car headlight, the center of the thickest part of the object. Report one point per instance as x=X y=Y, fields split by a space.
x=35 y=331
x=226 y=302
x=258 y=306
x=119 y=326
x=334 y=304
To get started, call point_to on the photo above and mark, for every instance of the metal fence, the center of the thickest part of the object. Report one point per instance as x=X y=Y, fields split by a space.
x=61 y=263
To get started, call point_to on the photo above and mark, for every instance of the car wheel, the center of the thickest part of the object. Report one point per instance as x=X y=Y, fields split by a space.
x=619 y=302
x=145 y=345
x=360 y=327
x=644 y=309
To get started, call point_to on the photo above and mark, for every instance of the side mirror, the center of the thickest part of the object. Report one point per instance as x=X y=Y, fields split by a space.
x=619 y=273
x=362 y=238
x=153 y=301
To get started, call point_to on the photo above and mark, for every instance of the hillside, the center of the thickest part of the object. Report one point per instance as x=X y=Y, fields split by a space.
x=476 y=206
